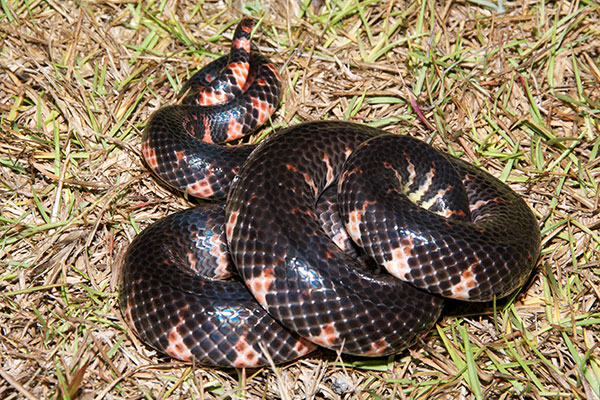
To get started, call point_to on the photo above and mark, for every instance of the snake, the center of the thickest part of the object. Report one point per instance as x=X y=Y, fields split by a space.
x=328 y=234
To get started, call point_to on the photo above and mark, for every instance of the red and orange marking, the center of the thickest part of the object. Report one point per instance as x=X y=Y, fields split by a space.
x=230 y=224
x=355 y=221
x=149 y=155
x=377 y=348
x=246 y=355
x=260 y=285
x=398 y=266
x=462 y=288
x=329 y=336
x=265 y=110
x=239 y=71
x=201 y=188
x=177 y=348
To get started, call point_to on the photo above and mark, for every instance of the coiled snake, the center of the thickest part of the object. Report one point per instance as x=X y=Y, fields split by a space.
x=442 y=227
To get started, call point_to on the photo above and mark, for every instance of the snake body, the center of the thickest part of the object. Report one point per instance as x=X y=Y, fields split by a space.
x=440 y=226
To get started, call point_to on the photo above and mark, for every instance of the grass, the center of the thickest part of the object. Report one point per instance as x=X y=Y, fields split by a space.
x=516 y=92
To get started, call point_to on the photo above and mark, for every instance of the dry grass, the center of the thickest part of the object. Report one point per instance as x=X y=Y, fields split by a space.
x=517 y=93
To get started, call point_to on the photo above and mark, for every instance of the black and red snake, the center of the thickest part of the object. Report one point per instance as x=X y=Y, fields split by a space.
x=440 y=226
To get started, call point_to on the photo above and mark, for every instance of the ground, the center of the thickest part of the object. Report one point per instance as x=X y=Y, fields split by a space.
x=513 y=87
